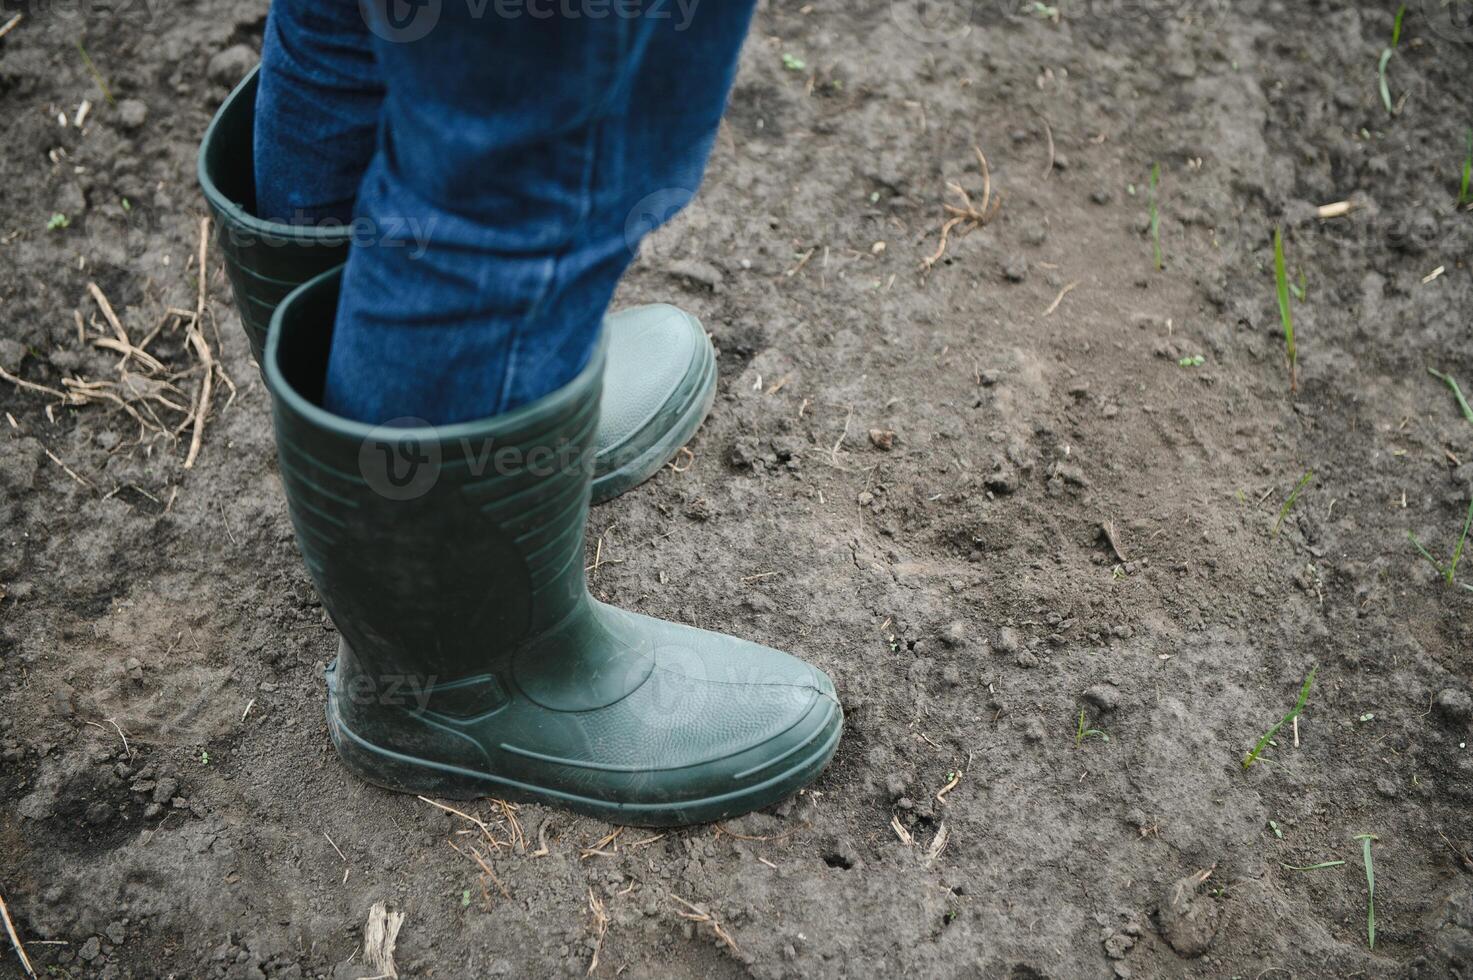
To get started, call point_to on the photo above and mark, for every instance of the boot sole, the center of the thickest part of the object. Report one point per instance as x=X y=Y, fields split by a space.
x=402 y=773
x=699 y=398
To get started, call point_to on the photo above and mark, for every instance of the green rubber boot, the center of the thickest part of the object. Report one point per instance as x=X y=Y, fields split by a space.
x=661 y=371
x=472 y=660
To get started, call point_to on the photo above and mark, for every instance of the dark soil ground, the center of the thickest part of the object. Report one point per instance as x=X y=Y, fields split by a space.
x=957 y=584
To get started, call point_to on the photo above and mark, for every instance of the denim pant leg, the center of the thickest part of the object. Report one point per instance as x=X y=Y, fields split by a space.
x=519 y=151
x=317 y=110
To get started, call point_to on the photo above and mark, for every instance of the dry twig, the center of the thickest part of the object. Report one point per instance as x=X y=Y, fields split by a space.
x=20 y=949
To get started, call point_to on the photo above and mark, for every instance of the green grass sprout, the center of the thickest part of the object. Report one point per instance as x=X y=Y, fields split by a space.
x=1448 y=380
x=107 y=93
x=1464 y=195
x=794 y=63
x=1293 y=496
x=57 y=220
x=1155 y=215
x=1195 y=360
x=1386 y=54
x=1252 y=757
x=1281 y=283
x=1311 y=867
x=1081 y=732
x=1365 y=840
x=1302 y=290
x=1450 y=569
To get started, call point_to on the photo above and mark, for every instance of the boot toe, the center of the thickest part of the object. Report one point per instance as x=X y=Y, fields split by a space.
x=659 y=382
x=721 y=727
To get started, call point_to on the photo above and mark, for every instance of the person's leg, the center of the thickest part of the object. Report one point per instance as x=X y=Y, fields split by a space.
x=503 y=198
x=317 y=111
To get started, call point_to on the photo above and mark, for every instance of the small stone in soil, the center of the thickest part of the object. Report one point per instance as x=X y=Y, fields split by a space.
x=1453 y=705
x=1103 y=696
x=132 y=114
x=954 y=634
x=167 y=789
x=231 y=65
x=1008 y=641
x=1188 y=919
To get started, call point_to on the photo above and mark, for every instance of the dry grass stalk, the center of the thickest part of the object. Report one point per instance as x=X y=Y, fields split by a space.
x=938 y=843
x=20 y=949
x=966 y=216
x=600 y=927
x=150 y=389
x=597 y=847
x=700 y=915
x=1059 y=298
x=201 y=348
x=380 y=936
x=485 y=866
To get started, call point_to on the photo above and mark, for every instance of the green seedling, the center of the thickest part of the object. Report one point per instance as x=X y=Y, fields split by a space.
x=1195 y=360
x=1386 y=54
x=1155 y=215
x=1450 y=569
x=1081 y=732
x=1452 y=383
x=204 y=758
x=1278 y=831
x=1302 y=289
x=1312 y=867
x=465 y=898
x=1252 y=757
x=1465 y=195
x=1042 y=11
x=107 y=93
x=1365 y=840
x=1293 y=496
x=57 y=221
x=1281 y=284
x=794 y=63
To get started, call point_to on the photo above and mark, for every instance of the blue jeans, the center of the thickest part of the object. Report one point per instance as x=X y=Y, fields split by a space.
x=500 y=161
